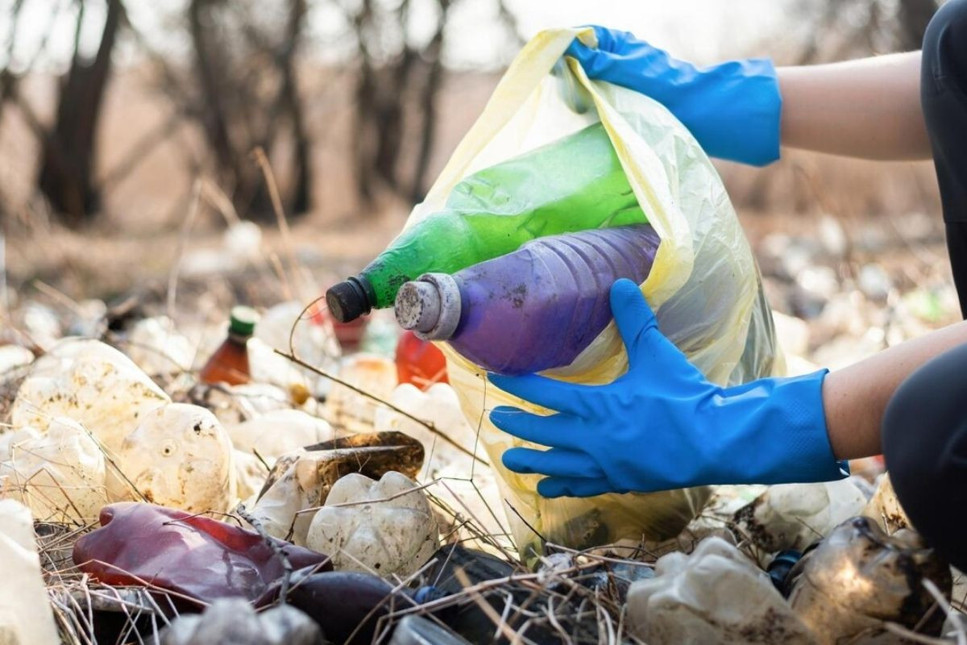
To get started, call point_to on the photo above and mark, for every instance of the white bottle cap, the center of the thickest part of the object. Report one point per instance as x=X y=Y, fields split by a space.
x=430 y=306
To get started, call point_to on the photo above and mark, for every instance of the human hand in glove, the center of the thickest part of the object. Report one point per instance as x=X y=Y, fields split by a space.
x=732 y=108
x=663 y=425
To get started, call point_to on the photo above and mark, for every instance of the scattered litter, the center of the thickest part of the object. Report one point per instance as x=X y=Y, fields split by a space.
x=383 y=526
x=793 y=516
x=179 y=456
x=858 y=579
x=232 y=621
x=300 y=482
x=25 y=614
x=714 y=595
x=59 y=475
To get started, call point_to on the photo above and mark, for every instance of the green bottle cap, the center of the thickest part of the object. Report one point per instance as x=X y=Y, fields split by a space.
x=242 y=321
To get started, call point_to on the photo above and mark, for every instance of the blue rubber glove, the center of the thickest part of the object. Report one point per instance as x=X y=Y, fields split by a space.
x=662 y=425
x=732 y=108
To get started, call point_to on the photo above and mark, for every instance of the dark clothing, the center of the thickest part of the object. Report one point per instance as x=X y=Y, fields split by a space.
x=925 y=425
x=943 y=95
x=925 y=445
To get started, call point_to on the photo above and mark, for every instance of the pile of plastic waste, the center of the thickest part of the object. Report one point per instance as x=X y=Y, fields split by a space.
x=142 y=504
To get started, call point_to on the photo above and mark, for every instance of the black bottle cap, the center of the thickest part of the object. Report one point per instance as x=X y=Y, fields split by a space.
x=348 y=300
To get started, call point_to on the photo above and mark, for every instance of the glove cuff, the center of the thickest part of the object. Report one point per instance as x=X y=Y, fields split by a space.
x=742 y=123
x=764 y=112
x=797 y=411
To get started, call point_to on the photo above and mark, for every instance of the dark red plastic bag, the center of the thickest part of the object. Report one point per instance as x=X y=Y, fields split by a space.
x=192 y=555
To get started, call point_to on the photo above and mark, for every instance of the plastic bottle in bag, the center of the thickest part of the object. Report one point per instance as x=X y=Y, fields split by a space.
x=553 y=292
x=704 y=281
x=229 y=364
x=571 y=184
x=419 y=362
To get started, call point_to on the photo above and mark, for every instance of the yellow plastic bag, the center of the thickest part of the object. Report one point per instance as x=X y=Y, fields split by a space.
x=704 y=284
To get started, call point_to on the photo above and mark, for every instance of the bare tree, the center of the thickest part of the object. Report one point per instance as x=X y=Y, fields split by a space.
x=913 y=17
x=847 y=28
x=68 y=144
x=241 y=88
x=66 y=175
x=396 y=93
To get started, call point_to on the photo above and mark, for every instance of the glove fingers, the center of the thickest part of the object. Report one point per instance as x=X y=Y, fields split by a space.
x=573 y=487
x=649 y=352
x=578 y=50
x=553 y=431
x=555 y=462
x=540 y=390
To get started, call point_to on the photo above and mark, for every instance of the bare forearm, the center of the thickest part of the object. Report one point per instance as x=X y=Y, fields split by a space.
x=867 y=108
x=856 y=397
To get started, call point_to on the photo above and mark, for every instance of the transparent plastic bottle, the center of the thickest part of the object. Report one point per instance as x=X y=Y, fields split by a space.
x=534 y=309
x=571 y=184
x=419 y=361
x=229 y=364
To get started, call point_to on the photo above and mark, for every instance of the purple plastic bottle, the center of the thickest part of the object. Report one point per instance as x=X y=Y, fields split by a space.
x=534 y=309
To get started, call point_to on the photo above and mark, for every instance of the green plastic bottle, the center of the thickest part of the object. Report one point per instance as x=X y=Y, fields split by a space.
x=572 y=184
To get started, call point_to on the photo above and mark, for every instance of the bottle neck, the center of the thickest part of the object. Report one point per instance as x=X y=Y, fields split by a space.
x=238 y=339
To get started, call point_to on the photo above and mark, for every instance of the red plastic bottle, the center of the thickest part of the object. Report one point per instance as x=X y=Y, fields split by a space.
x=229 y=363
x=419 y=362
x=348 y=334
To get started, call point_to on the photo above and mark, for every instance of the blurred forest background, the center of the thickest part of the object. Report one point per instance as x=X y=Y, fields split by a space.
x=114 y=112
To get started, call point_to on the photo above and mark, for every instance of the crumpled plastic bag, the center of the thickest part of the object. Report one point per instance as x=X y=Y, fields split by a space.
x=233 y=620
x=714 y=595
x=793 y=516
x=859 y=579
x=704 y=284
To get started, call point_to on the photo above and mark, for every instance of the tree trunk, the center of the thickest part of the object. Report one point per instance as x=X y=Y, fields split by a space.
x=209 y=67
x=69 y=151
x=301 y=191
x=428 y=98
x=913 y=16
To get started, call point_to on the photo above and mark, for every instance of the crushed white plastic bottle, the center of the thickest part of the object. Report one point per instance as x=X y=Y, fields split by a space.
x=286 y=327
x=234 y=620
x=278 y=432
x=13 y=357
x=91 y=383
x=25 y=613
x=179 y=456
x=59 y=475
x=440 y=407
x=375 y=526
x=158 y=348
x=714 y=595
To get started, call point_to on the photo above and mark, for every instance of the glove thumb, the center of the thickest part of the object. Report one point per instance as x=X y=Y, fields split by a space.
x=584 y=54
x=648 y=349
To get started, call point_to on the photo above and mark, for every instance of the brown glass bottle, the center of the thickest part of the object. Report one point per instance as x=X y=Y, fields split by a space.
x=229 y=363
